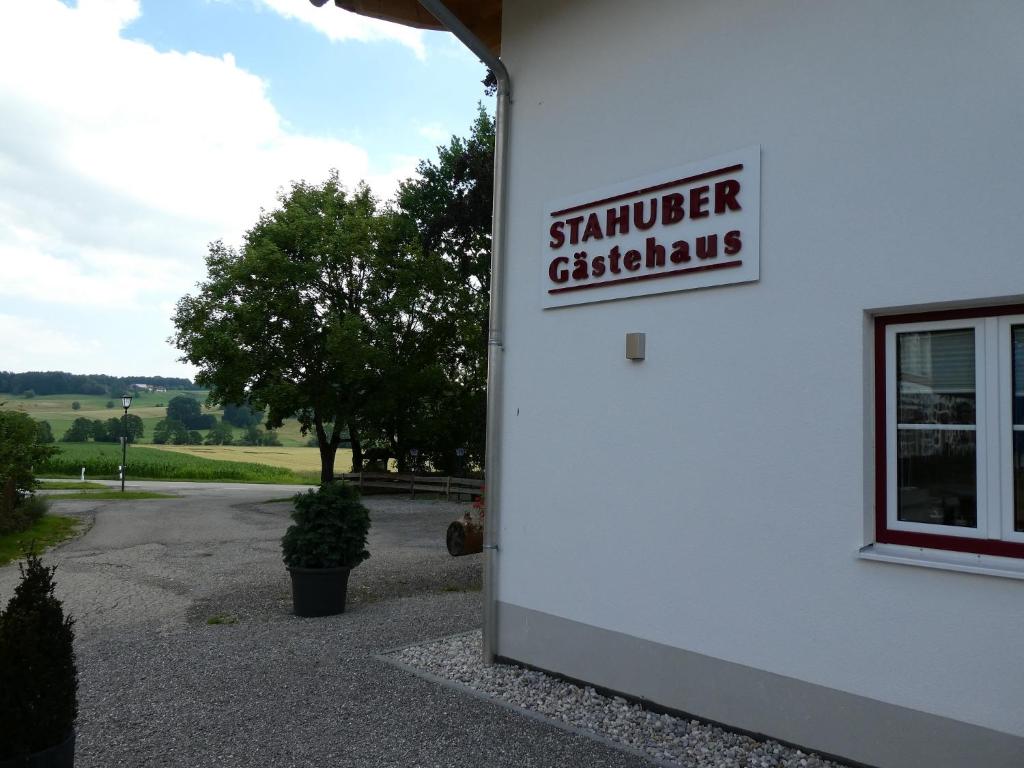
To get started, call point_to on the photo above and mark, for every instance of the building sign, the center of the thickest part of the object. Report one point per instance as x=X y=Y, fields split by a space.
x=689 y=227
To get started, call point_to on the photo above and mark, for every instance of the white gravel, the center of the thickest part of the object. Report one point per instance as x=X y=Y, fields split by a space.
x=667 y=739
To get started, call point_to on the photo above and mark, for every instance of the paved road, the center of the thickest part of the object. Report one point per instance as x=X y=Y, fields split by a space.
x=160 y=686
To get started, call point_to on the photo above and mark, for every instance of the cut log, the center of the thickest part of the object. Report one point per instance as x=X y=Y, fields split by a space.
x=465 y=538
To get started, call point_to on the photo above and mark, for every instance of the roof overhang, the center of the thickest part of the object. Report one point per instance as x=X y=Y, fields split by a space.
x=482 y=17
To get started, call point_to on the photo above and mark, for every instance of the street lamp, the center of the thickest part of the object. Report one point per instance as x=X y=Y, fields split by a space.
x=126 y=403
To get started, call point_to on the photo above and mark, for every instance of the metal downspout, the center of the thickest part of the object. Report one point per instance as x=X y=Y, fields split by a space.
x=492 y=450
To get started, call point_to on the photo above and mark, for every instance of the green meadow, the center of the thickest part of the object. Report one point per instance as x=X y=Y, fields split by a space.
x=101 y=462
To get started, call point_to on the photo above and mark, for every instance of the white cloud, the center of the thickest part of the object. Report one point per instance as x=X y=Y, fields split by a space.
x=434 y=132
x=36 y=346
x=339 y=25
x=118 y=163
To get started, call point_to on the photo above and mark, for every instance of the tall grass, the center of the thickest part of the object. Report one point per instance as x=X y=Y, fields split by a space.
x=102 y=461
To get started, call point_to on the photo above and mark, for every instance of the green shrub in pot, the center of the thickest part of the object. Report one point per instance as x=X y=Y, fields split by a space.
x=324 y=543
x=329 y=529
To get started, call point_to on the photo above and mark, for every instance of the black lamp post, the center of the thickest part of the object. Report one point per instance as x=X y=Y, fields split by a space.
x=126 y=402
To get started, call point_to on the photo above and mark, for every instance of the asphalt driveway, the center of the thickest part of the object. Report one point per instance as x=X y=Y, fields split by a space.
x=160 y=685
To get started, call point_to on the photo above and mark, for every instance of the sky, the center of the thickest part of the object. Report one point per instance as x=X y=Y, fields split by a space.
x=135 y=132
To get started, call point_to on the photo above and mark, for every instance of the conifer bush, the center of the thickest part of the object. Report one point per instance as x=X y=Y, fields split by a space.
x=38 y=677
x=329 y=530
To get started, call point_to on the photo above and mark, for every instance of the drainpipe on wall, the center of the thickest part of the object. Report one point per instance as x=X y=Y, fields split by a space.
x=492 y=450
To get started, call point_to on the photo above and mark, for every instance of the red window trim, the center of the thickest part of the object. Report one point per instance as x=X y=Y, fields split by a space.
x=907 y=538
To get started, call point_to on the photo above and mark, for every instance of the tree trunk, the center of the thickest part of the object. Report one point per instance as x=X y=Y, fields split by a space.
x=357 y=448
x=327 y=453
x=328 y=450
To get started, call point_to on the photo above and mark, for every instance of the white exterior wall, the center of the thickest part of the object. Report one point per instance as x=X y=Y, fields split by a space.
x=713 y=497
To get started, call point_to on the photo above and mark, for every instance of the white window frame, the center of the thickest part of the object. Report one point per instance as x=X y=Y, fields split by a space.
x=993 y=428
x=1005 y=341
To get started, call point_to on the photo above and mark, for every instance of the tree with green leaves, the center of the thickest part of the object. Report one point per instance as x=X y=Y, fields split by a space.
x=115 y=428
x=220 y=434
x=79 y=432
x=99 y=431
x=170 y=432
x=44 y=432
x=20 y=451
x=281 y=322
x=241 y=416
x=184 y=409
x=450 y=202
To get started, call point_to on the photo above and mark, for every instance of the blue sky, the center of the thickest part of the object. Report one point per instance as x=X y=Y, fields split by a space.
x=136 y=131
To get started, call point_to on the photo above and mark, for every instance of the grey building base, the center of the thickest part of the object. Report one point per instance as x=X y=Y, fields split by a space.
x=815 y=717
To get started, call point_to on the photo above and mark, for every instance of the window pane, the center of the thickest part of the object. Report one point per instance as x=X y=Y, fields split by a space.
x=1018 y=374
x=935 y=376
x=1018 y=481
x=1018 y=419
x=937 y=477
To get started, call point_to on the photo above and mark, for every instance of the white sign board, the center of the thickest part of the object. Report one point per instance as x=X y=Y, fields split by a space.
x=688 y=227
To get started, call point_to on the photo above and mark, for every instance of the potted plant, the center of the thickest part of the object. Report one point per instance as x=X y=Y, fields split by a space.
x=38 y=678
x=325 y=542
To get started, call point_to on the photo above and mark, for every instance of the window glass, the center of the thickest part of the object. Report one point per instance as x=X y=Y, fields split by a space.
x=936 y=377
x=936 y=429
x=1017 y=357
x=938 y=477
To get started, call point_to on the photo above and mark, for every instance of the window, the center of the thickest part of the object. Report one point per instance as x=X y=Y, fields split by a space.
x=949 y=426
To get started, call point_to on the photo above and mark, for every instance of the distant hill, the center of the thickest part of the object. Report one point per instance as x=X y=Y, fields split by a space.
x=62 y=383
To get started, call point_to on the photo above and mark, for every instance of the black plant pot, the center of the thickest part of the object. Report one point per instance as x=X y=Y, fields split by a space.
x=60 y=756
x=318 y=591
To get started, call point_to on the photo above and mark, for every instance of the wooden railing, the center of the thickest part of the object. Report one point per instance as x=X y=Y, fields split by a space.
x=458 y=487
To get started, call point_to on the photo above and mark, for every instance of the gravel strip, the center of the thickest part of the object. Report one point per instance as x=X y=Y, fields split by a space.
x=667 y=739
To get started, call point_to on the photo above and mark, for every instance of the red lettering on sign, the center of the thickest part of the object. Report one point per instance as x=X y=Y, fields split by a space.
x=613 y=259
x=631 y=260
x=699 y=202
x=725 y=196
x=672 y=210
x=617 y=221
x=707 y=247
x=638 y=215
x=680 y=252
x=733 y=242
x=580 y=270
x=557 y=272
x=574 y=228
x=557 y=235
x=593 y=230
x=597 y=267
x=655 y=254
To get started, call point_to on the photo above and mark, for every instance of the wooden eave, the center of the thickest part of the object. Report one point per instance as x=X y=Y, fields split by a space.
x=482 y=17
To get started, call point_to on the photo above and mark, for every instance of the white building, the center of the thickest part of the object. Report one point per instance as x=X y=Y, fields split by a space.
x=802 y=513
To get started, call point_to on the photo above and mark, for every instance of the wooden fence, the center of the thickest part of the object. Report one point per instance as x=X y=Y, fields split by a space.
x=458 y=487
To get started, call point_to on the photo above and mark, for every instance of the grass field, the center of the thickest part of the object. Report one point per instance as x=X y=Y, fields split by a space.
x=295 y=459
x=101 y=461
x=151 y=407
x=50 y=530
